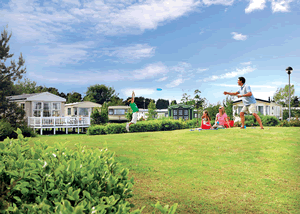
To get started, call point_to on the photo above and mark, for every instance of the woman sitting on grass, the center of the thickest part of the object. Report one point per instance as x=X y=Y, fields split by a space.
x=221 y=117
x=206 y=120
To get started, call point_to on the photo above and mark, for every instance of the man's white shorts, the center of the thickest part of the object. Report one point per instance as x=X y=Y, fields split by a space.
x=134 y=117
x=249 y=109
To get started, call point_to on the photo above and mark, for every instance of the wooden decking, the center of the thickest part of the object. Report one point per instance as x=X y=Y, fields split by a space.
x=58 y=122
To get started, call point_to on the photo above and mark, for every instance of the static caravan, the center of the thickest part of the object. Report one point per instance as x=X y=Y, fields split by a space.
x=81 y=109
x=117 y=113
x=46 y=111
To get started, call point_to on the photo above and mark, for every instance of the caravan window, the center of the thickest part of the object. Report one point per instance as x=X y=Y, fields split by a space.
x=111 y=112
x=119 y=111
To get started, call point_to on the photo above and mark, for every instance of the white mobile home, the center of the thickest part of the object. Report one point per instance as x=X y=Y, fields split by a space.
x=47 y=111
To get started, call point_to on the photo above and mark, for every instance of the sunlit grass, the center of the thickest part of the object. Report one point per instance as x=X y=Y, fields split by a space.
x=222 y=171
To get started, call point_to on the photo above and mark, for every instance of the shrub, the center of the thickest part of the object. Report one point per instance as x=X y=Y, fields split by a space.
x=269 y=121
x=45 y=179
x=5 y=130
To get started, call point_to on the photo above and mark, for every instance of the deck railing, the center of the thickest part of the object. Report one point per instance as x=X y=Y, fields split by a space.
x=58 y=121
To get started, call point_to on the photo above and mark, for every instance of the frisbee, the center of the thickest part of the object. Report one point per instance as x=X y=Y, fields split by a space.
x=158 y=89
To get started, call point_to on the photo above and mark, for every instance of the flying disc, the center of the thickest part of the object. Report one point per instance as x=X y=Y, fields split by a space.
x=158 y=89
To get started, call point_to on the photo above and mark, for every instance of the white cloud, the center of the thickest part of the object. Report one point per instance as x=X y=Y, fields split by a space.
x=150 y=71
x=246 y=63
x=239 y=36
x=138 y=91
x=222 y=2
x=229 y=75
x=252 y=86
x=255 y=5
x=200 y=70
x=175 y=83
x=61 y=54
x=131 y=53
x=281 y=5
x=162 y=79
x=138 y=17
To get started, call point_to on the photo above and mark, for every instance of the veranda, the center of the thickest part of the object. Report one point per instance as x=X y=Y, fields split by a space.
x=58 y=123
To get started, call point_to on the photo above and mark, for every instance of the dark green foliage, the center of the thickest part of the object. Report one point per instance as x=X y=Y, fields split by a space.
x=143 y=126
x=74 y=97
x=46 y=179
x=162 y=104
x=265 y=119
x=100 y=116
x=5 y=130
x=294 y=113
x=128 y=114
x=294 y=123
x=269 y=120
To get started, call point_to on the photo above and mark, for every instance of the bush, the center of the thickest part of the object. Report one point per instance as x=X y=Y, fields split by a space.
x=5 y=130
x=285 y=123
x=45 y=179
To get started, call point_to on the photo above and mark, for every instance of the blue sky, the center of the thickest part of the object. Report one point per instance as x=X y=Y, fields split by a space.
x=141 y=45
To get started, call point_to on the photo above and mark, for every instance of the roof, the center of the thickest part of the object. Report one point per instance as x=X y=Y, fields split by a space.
x=36 y=97
x=21 y=97
x=84 y=102
x=181 y=105
x=266 y=101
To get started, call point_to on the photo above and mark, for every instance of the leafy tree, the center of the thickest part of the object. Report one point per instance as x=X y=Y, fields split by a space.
x=25 y=87
x=185 y=98
x=99 y=93
x=198 y=103
x=9 y=111
x=74 y=97
x=173 y=102
x=116 y=101
x=151 y=111
x=228 y=104
x=63 y=95
x=162 y=104
x=213 y=110
x=281 y=95
x=100 y=115
x=295 y=101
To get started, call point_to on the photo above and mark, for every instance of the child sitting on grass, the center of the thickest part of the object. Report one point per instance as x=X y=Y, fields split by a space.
x=206 y=120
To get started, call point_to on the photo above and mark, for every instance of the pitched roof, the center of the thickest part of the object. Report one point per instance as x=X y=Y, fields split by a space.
x=22 y=96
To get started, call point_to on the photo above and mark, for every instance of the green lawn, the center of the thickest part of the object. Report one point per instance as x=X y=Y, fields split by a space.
x=212 y=171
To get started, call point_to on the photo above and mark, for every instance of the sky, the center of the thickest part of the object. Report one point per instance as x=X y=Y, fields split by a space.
x=141 y=45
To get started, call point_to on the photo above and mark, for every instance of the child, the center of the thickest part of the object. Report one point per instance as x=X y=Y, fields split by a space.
x=134 y=110
x=206 y=120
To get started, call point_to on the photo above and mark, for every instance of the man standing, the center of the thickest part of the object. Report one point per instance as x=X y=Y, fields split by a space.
x=134 y=110
x=248 y=101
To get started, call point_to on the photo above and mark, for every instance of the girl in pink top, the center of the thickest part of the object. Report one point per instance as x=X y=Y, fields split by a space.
x=221 y=117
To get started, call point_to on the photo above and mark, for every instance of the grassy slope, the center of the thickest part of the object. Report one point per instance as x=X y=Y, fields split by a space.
x=223 y=171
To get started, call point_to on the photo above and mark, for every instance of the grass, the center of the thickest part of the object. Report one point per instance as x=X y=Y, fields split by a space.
x=223 y=171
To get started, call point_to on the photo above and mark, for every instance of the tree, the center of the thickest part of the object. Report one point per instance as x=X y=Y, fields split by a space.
x=198 y=104
x=295 y=101
x=74 y=97
x=116 y=101
x=151 y=111
x=173 y=102
x=9 y=111
x=99 y=93
x=281 y=95
x=185 y=98
x=228 y=104
x=25 y=87
x=162 y=104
